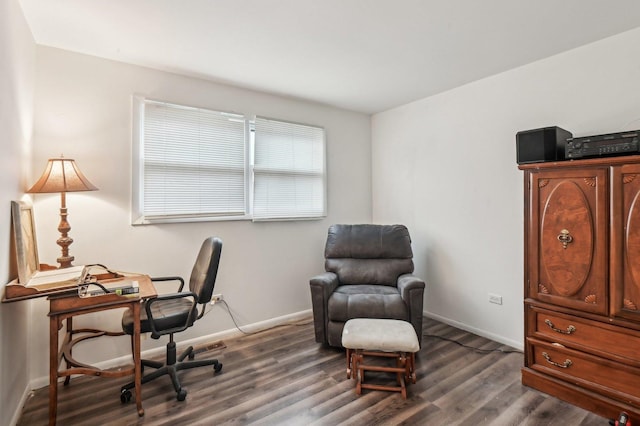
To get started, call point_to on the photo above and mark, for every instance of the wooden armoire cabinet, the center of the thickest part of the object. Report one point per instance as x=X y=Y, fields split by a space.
x=582 y=282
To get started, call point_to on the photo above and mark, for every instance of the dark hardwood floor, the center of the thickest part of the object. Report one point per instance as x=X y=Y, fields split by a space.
x=282 y=377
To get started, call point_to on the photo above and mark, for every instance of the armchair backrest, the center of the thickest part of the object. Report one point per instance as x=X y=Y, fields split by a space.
x=368 y=254
x=205 y=270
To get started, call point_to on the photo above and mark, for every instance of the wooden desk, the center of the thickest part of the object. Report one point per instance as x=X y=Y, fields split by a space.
x=65 y=307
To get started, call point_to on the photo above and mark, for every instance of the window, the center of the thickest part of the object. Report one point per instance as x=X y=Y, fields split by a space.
x=194 y=164
x=288 y=170
x=190 y=163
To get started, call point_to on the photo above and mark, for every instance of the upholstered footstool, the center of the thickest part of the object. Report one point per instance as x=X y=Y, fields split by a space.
x=387 y=338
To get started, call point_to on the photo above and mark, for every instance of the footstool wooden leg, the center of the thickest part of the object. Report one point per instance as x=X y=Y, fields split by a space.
x=401 y=364
x=349 y=364
x=407 y=366
x=412 y=367
x=359 y=361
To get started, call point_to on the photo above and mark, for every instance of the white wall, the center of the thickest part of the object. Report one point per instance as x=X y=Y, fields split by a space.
x=83 y=110
x=17 y=74
x=445 y=166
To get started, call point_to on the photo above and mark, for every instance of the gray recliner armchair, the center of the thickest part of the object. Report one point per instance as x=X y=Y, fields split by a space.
x=368 y=275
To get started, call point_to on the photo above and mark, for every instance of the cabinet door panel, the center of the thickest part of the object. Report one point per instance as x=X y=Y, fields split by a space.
x=568 y=233
x=625 y=242
x=566 y=214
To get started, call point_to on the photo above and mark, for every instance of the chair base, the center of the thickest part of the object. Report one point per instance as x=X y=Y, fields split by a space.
x=170 y=368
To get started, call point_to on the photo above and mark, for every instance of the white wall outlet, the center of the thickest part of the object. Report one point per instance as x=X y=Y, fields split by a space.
x=216 y=298
x=495 y=298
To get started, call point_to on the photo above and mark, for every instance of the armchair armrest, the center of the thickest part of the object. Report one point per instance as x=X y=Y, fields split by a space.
x=321 y=288
x=408 y=284
x=326 y=282
x=411 y=290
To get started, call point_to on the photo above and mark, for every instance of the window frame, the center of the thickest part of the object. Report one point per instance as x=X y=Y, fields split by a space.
x=137 y=181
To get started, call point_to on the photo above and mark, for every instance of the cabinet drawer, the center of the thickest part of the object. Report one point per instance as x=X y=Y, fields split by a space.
x=614 y=379
x=592 y=336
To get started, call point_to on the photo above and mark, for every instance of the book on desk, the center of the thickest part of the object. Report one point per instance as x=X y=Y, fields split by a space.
x=121 y=287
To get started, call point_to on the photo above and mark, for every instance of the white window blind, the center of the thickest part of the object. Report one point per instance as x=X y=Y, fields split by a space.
x=193 y=162
x=289 y=170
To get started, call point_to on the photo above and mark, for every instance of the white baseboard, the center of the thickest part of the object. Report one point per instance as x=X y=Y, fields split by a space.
x=497 y=338
x=151 y=353
x=23 y=400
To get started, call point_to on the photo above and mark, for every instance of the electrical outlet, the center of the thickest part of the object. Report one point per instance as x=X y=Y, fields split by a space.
x=216 y=298
x=495 y=298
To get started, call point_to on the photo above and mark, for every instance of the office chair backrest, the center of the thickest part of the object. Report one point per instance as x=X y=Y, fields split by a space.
x=205 y=270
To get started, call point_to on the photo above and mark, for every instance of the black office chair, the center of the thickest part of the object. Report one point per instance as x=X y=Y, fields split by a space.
x=173 y=313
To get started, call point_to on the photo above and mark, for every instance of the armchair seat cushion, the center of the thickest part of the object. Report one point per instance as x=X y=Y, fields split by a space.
x=366 y=301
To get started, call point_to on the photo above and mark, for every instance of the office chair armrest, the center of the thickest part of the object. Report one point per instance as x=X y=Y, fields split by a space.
x=170 y=279
x=155 y=334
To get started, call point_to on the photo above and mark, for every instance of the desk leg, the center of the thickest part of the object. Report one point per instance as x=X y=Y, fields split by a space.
x=69 y=331
x=53 y=369
x=136 y=358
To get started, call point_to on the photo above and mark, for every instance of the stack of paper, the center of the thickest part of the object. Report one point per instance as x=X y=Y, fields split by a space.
x=71 y=275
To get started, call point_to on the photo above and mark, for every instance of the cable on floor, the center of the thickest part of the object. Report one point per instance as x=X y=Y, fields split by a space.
x=482 y=351
x=249 y=333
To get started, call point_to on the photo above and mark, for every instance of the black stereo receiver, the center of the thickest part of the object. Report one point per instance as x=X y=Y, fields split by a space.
x=603 y=145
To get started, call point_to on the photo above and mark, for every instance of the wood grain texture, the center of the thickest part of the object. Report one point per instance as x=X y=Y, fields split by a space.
x=282 y=377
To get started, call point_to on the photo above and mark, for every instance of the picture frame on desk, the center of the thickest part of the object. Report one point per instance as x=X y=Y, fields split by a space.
x=24 y=238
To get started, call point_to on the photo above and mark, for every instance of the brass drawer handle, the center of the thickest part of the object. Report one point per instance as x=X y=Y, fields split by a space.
x=565 y=364
x=569 y=330
x=565 y=238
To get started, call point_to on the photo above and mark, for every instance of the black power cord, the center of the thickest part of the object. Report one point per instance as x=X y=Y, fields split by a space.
x=482 y=351
x=249 y=333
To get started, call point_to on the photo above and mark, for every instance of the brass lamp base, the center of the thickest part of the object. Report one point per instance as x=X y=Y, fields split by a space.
x=64 y=241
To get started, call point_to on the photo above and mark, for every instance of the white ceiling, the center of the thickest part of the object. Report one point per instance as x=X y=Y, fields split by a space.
x=362 y=55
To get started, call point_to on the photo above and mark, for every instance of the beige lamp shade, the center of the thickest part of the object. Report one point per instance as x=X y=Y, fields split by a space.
x=61 y=175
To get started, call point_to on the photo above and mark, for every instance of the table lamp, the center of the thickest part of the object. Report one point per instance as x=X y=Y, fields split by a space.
x=62 y=175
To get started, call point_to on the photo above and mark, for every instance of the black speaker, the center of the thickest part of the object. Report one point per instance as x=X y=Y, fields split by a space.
x=540 y=145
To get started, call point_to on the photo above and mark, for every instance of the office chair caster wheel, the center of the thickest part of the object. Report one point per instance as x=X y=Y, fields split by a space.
x=217 y=367
x=125 y=396
x=181 y=395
